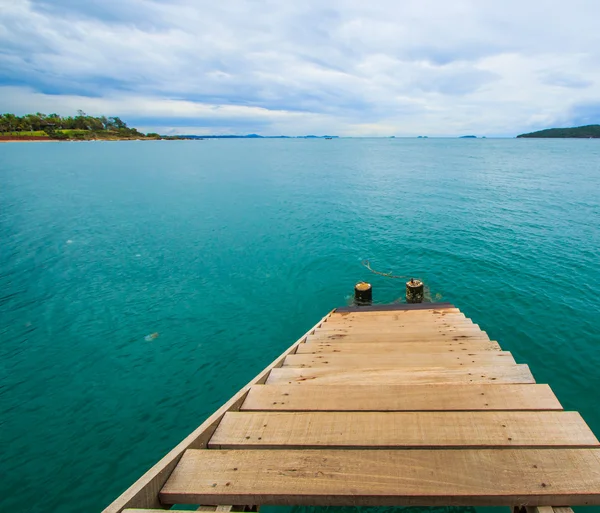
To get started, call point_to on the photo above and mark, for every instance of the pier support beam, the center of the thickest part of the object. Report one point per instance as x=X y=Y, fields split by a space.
x=414 y=291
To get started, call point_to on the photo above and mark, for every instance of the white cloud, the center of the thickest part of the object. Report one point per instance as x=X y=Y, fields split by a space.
x=350 y=67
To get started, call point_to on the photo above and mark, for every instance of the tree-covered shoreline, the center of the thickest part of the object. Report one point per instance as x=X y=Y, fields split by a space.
x=579 y=132
x=80 y=127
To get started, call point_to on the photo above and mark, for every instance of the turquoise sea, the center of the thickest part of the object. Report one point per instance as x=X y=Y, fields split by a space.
x=231 y=249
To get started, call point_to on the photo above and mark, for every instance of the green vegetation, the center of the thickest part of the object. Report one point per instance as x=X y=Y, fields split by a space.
x=581 y=132
x=74 y=128
x=26 y=133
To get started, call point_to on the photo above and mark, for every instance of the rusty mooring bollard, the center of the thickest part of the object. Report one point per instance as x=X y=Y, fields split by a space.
x=414 y=291
x=363 y=293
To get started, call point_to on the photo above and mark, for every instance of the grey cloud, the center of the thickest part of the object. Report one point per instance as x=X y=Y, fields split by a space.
x=561 y=79
x=455 y=81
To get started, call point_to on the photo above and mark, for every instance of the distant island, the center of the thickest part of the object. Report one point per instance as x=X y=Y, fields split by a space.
x=53 y=127
x=468 y=137
x=579 y=132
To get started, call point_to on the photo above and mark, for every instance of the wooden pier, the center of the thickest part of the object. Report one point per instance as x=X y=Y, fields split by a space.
x=396 y=405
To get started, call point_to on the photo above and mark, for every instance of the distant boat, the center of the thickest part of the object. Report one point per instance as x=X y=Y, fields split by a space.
x=328 y=138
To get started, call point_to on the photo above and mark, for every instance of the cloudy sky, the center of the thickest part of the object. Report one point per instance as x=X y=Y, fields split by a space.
x=347 y=67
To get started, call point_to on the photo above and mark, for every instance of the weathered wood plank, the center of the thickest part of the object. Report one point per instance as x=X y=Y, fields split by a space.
x=437 y=312
x=144 y=492
x=473 y=477
x=416 y=376
x=546 y=509
x=405 y=327
x=162 y=510
x=396 y=319
x=211 y=509
x=397 y=348
x=426 y=329
x=401 y=430
x=145 y=510
x=378 y=336
x=448 y=360
x=429 y=325
x=205 y=509
x=356 y=397
x=543 y=509
x=415 y=335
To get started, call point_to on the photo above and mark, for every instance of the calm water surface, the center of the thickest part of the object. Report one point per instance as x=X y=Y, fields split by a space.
x=230 y=250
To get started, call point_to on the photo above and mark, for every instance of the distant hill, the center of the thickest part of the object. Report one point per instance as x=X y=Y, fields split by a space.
x=580 y=132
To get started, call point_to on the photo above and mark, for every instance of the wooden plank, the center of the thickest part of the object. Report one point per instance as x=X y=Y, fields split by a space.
x=398 y=319
x=400 y=313
x=162 y=510
x=416 y=376
x=547 y=509
x=213 y=509
x=398 y=316
x=144 y=492
x=401 y=430
x=409 y=329
x=382 y=361
x=416 y=329
x=400 y=325
x=206 y=509
x=472 y=477
x=377 y=336
x=358 y=397
x=541 y=509
x=448 y=346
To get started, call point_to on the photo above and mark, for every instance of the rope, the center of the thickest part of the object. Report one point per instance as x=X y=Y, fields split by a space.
x=366 y=264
